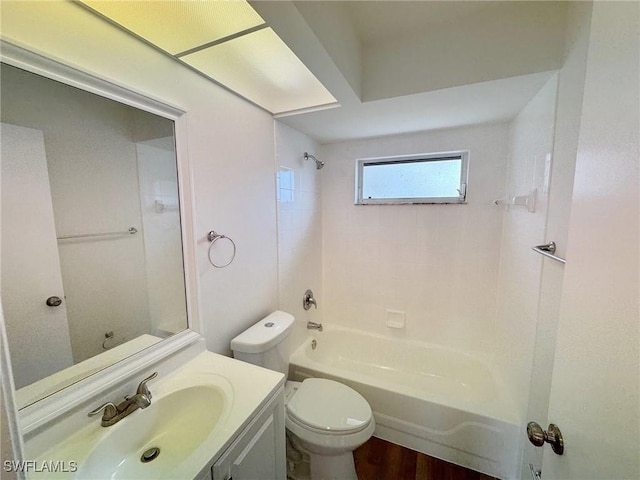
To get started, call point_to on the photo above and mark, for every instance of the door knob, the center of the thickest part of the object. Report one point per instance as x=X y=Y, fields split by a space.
x=553 y=436
x=54 y=301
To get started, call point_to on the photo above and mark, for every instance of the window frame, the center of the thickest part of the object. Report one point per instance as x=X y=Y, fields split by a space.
x=462 y=155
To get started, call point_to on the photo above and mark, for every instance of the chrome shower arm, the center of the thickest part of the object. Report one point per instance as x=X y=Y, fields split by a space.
x=319 y=163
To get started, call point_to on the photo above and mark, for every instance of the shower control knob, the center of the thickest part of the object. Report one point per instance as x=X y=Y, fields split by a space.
x=553 y=436
x=53 y=301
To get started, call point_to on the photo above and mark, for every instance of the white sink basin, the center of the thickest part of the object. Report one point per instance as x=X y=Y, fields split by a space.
x=196 y=410
x=186 y=411
x=176 y=424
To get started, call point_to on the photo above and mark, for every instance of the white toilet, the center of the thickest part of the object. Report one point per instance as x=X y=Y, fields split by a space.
x=328 y=418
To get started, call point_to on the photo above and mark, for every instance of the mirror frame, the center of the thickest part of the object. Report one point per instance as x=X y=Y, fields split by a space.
x=41 y=411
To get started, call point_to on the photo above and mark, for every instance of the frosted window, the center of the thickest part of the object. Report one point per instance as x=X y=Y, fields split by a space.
x=285 y=190
x=424 y=179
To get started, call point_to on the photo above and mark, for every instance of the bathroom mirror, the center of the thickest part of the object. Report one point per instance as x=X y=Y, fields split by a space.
x=92 y=266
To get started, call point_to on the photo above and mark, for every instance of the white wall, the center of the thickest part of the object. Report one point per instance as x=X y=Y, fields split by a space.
x=230 y=144
x=300 y=250
x=531 y=144
x=162 y=236
x=420 y=259
x=11 y=443
x=6 y=447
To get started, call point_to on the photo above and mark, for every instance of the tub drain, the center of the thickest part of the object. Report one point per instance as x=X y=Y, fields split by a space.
x=150 y=455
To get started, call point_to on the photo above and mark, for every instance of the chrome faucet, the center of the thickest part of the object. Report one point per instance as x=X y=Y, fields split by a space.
x=314 y=326
x=308 y=300
x=112 y=414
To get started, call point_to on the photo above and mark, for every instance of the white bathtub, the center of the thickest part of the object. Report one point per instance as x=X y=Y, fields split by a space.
x=437 y=401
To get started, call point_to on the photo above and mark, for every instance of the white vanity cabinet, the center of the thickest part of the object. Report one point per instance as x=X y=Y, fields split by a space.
x=258 y=452
x=220 y=417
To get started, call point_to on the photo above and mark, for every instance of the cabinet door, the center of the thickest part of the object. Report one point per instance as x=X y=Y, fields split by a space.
x=257 y=459
x=259 y=452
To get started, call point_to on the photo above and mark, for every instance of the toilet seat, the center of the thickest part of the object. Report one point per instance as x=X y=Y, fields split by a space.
x=328 y=407
x=326 y=419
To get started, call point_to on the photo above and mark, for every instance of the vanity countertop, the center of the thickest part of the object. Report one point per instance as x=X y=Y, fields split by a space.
x=230 y=390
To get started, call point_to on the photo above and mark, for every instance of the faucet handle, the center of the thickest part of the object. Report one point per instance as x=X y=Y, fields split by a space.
x=143 y=389
x=308 y=300
x=110 y=411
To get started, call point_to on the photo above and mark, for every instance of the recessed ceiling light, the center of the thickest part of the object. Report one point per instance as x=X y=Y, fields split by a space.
x=177 y=26
x=226 y=41
x=261 y=67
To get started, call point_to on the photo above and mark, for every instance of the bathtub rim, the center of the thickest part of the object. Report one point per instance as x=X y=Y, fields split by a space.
x=507 y=413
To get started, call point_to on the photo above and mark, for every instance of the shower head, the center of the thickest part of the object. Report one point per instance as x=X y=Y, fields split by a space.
x=319 y=163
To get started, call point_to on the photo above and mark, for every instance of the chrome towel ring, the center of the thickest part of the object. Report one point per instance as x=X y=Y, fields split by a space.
x=213 y=237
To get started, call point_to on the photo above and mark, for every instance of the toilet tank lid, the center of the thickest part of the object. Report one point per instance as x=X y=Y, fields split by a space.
x=265 y=334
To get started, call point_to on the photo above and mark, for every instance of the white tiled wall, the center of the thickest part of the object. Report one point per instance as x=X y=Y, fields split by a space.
x=162 y=237
x=300 y=253
x=531 y=144
x=436 y=263
x=461 y=276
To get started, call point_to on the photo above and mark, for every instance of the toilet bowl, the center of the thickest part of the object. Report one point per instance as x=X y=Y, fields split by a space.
x=329 y=419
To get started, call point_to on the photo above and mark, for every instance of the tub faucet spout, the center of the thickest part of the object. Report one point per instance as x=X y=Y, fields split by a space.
x=314 y=326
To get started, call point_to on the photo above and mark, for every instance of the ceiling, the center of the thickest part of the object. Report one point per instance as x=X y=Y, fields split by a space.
x=225 y=41
x=487 y=102
x=405 y=66
x=338 y=70
x=379 y=21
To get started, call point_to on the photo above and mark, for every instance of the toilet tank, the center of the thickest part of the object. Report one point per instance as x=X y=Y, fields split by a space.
x=264 y=343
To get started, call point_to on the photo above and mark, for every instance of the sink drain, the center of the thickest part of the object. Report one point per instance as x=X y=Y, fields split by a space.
x=150 y=455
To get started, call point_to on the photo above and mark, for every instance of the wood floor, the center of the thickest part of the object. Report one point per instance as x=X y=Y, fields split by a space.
x=381 y=460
